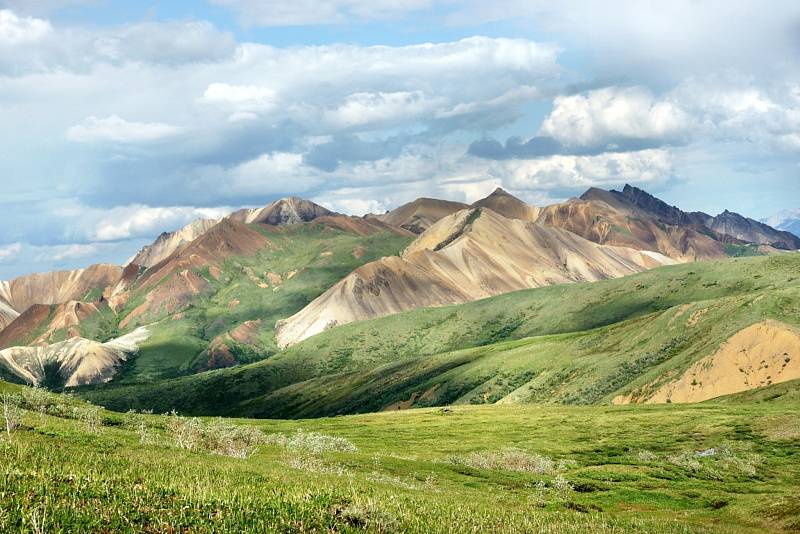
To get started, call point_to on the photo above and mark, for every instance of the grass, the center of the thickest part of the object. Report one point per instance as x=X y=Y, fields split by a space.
x=493 y=468
x=573 y=343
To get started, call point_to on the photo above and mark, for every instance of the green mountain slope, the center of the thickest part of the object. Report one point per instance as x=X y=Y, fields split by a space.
x=612 y=336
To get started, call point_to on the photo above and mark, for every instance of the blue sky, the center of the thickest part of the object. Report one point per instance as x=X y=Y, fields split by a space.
x=122 y=119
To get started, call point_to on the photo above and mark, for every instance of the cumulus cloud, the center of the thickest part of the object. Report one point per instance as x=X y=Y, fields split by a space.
x=308 y=12
x=71 y=252
x=118 y=130
x=581 y=172
x=17 y=30
x=614 y=115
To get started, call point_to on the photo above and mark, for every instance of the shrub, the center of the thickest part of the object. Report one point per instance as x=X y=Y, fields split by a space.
x=311 y=441
x=217 y=437
x=90 y=415
x=232 y=440
x=188 y=432
x=510 y=460
x=12 y=412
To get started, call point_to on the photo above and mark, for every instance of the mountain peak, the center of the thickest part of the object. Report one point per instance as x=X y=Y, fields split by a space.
x=287 y=210
x=507 y=205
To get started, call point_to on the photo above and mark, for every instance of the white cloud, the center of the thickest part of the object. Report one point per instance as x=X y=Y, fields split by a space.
x=380 y=109
x=699 y=109
x=9 y=252
x=604 y=115
x=125 y=222
x=307 y=12
x=16 y=30
x=71 y=252
x=578 y=172
x=118 y=130
x=242 y=98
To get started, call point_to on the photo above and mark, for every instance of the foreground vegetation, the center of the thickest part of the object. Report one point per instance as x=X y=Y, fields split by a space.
x=713 y=467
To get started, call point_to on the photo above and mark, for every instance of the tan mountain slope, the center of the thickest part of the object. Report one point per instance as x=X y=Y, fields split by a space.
x=762 y=354
x=609 y=219
x=168 y=242
x=507 y=205
x=290 y=210
x=57 y=287
x=45 y=321
x=466 y=256
x=420 y=214
x=7 y=313
x=74 y=362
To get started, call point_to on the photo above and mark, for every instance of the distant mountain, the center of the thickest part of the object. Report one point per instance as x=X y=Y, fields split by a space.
x=610 y=218
x=419 y=215
x=469 y=255
x=289 y=210
x=786 y=220
x=727 y=223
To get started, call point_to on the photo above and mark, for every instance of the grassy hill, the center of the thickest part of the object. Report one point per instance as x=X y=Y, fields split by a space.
x=711 y=467
x=573 y=344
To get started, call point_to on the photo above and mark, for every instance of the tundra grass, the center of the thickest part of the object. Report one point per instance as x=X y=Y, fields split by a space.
x=712 y=467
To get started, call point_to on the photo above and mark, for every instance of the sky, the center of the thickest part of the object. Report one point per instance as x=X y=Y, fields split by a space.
x=120 y=120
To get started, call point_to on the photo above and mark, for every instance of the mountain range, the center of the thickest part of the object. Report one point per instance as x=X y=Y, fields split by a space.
x=236 y=292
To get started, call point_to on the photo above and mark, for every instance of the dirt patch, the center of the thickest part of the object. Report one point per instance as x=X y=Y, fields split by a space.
x=696 y=316
x=678 y=314
x=359 y=252
x=762 y=354
x=274 y=278
x=233 y=303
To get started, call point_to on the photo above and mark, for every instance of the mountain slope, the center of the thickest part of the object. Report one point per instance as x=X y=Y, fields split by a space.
x=72 y=362
x=54 y=288
x=469 y=255
x=419 y=215
x=613 y=336
x=168 y=242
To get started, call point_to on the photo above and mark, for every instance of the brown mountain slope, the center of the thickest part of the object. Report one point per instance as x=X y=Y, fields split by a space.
x=45 y=320
x=468 y=255
x=170 y=285
x=606 y=218
x=169 y=242
x=508 y=206
x=290 y=210
x=419 y=215
x=57 y=287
